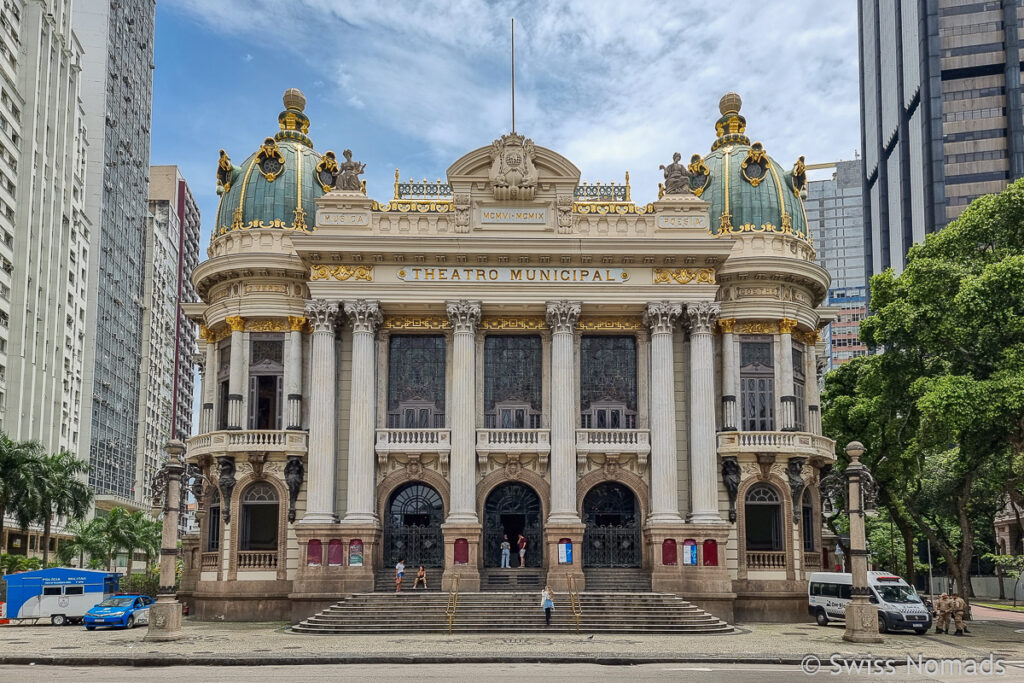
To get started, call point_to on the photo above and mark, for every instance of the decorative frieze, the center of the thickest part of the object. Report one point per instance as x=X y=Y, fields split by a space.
x=266 y=325
x=320 y=271
x=416 y=322
x=610 y=324
x=510 y=323
x=684 y=276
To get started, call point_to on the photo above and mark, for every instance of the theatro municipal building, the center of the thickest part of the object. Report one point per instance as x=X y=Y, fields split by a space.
x=508 y=351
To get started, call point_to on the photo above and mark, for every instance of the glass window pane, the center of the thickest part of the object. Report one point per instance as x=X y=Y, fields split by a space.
x=608 y=371
x=512 y=372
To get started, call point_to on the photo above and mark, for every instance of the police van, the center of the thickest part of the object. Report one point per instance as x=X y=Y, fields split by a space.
x=899 y=605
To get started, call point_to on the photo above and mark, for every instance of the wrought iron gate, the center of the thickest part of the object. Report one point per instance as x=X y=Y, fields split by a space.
x=513 y=499
x=612 y=537
x=412 y=528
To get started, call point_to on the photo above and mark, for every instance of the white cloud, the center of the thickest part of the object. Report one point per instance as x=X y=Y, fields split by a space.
x=248 y=58
x=611 y=85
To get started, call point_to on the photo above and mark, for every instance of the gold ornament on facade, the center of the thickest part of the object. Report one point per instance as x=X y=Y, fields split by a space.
x=699 y=174
x=269 y=160
x=684 y=276
x=726 y=325
x=514 y=323
x=320 y=271
x=610 y=324
x=754 y=167
x=299 y=222
x=236 y=323
x=266 y=325
x=417 y=322
x=758 y=327
x=787 y=326
x=611 y=208
x=224 y=172
x=799 y=177
x=296 y=323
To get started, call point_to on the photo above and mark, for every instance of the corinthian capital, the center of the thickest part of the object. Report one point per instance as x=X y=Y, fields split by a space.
x=464 y=315
x=661 y=316
x=562 y=315
x=322 y=314
x=702 y=316
x=235 y=322
x=364 y=315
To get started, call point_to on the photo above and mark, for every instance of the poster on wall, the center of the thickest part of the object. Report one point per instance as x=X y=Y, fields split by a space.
x=355 y=553
x=565 y=551
x=689 y=552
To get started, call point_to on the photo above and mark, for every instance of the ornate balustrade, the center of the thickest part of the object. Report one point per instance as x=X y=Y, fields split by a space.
x=210 y=560
x=254 y=560
x=292 y=442
x=812 y=561
x=775 y=559
x=791 y=443
x=612 y=447
x=413 y=440
x=513 y=448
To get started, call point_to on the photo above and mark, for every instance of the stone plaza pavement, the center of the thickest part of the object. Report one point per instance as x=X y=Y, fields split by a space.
x=992 y=632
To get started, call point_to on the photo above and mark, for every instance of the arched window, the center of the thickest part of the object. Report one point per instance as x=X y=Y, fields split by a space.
x=807 y=519
x=213 y=523
x=260 y=509
x=763 y=518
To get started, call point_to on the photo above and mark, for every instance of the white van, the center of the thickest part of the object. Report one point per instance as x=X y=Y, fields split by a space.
x=899 y=606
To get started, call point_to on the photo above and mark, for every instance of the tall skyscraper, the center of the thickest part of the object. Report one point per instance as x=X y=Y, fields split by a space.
x=44 y=234
x=168 y=337
x=835 y=216
x=117 y=90
x=941 y=119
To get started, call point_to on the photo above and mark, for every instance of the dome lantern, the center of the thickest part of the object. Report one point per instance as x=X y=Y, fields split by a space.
x=294 y=123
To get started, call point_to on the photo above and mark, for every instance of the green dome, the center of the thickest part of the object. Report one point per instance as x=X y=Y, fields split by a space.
x=278 y=185
x=748 y=190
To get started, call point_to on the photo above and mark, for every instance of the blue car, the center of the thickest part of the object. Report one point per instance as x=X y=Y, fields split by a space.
x=125 y=611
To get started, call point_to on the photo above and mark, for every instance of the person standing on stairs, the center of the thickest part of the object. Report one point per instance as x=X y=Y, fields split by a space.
x=506 y=549
x=547 y=603
x=522 y=550
x=399 y=575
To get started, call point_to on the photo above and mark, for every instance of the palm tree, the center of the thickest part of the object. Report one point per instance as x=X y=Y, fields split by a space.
x=137 y=528
x=150 y=539
x=114 y=529
x=86 y=537
x=17 y=459
x=58 y=490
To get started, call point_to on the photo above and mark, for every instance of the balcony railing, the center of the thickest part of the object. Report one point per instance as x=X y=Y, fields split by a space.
x=520 y=440
x=775 y=559
x=812 y=561
x=413 y=440
x=210 y=560
x=252 y=560
x=288 y=441
x=795 y=443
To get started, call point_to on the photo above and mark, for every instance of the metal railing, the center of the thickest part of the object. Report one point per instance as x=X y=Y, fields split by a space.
x=574 y=600
x=453 y=603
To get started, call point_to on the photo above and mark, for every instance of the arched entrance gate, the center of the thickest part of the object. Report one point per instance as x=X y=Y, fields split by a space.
x=612 y=537
x=412 y=527
x=512 y=509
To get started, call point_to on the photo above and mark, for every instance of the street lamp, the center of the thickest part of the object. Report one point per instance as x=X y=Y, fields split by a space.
x=165 y=614
x=861 y=614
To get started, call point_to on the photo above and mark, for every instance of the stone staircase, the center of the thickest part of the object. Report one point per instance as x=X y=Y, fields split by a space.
x=384 y=580
x=617 y=580
x=526 y=579
x=511 y=612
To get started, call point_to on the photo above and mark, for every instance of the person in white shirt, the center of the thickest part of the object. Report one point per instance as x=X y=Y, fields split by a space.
x=399 y=574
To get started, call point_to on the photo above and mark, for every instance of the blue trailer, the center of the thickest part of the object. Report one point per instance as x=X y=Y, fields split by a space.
x=61 y=595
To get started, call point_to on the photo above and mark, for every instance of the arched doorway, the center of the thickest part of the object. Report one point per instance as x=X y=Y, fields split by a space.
x=512 y=509
x=612 y=537
x=412 y=527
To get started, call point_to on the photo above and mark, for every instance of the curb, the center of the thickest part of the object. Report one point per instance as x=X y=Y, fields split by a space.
x=1001 y=608
x=274 y=660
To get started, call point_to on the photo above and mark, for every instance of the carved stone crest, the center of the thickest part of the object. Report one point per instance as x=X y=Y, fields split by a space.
x=257 y=460
x=512 y=174
x=461 y=212
x=563 y=203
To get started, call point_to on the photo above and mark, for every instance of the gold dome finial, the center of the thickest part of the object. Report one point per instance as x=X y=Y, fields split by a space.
x=294 y=100
x=730 y=104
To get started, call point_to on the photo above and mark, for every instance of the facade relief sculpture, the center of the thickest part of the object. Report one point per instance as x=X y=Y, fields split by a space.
x=513 y=175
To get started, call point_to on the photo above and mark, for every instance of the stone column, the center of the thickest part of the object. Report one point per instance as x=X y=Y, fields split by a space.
x=661 y=317
x=464 y=316
x=562 y=317
x=205 y=360
x=320 y=455
x=235 y=389
x=365 y=317
x=703 y=441
x=730 y=375
x=293 y=373
x=165 y=615
x=787 y=421
x=811 y=386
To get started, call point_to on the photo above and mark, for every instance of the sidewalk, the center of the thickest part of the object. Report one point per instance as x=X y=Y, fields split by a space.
x=269 y=643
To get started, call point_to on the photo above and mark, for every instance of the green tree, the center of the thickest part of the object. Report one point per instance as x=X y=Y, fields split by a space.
x=86 y=539
x=58 y=490
x=114 y=527
x=17 y=460
x=142 y=532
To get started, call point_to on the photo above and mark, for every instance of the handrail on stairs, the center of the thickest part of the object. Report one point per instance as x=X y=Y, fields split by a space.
x=453 y=602
x=574 y=599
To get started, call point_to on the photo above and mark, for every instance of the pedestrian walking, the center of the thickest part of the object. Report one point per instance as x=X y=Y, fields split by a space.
x=958 y=606
x=506 y=551
x=421 y=577
x=399 y=575
x=943 y=605
x=547 y=602
x=522 y=550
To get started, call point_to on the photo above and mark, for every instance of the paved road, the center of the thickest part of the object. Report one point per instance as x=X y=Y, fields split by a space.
x=979 y=612
x=734 y=673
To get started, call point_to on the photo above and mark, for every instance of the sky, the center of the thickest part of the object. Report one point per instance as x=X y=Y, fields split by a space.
x=613 y=86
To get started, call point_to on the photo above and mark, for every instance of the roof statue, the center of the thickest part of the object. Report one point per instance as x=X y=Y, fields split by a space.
x=677 y=177
x=513 y=175
x=350 y=171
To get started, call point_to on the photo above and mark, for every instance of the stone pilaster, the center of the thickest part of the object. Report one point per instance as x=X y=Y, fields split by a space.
x=661 y=317
x=321 y=455
x=561 y=318
x=293 y=373
x=464 y=316
x=365 y=317
x=208 y=372
x=813 y=393
x=787 y=420
x=703 y=441
x=730 y=375
x=237 y=325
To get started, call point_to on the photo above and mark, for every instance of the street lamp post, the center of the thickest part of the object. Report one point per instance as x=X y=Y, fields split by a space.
x=861 y=614
x=165 y=614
